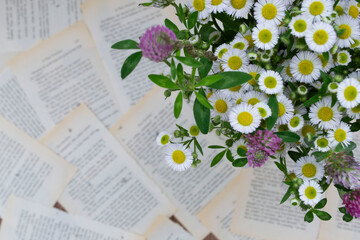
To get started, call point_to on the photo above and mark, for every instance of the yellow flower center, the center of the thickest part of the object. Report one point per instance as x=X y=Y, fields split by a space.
x=356 y=109
x=310 y=192
x=339 y=10
x=343 y=58
x=262 y=112
x=235 y=89
x=340 y=135
x=291 y=176
x=250 y=40
x=165 y=139
x=288 y=71
x=322 y=59
x=199 y=5
x=216 y=2
x=325 y=114
x=307 y=129
x=300 y=25
x=245 y=118
x=281 y=109
x=221 y=106
x=294 y=122
x=178 y=156
x=252 y=81
x=269 y=11
x=239 y=45
x=306 y=67
x=316 y=8
x=283 y=127
x=322 y=142
x=238 y=101
x=238 y=4
x=347 y=32
x=354 y=11
x=234 y=62
x=253 y=101
x=265 y=36
x=320 y=37
x=194 y=130
x=309 y=170
x=270 y=82
x=350 y=93
x=222 y=52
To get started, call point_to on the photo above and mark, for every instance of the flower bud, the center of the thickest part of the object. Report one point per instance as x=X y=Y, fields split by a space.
x=177 y=133
x=295 y=202
x=218 y=132
x=338 y=78
x=229 y=142
x=167 y=93
x=194 y=155
x=334 y=49
x=341 y=109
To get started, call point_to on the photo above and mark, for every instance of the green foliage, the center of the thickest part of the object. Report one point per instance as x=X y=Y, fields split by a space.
x=201 y=115
x=178 y=105
x=274 y=106
x=205 y=68
x=231 y=79
x=169 y=24
x=322 y=215
x=309 y=217
x=209 y=80
x=163 y=81
x=240 y=162
x=288 y=137
x=321 y=204
x=189 y=61
x=218 y=158
x=130 y=64
x=192 y=19
x=241 y=152
x=126 y=44
x=203 y=100
x=286 y=195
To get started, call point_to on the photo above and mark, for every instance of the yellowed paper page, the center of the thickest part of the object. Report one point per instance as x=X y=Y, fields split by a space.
x=109 y=186
x=217 y=215
x=26 y=220
x=164 y=229
x=258 y=212
x=64 y=71
x=336 y=228
x=28 y=169
x=25 y=22
x=190 y=190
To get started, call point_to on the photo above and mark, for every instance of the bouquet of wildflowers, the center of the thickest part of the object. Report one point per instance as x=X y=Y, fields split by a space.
x=276 y=78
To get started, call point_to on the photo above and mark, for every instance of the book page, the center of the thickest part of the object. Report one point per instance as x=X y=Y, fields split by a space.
x=28 y=169
x=24 y=22
x=110 y=21
x=217 y=215
x=26 y=220
x=190 y=190
x=109 y=186
x=64 y=71
x=259 y=214
x=165 y=229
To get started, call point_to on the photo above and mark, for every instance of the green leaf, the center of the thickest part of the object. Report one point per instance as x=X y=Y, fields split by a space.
x=286 y=196
x=201 y=115
x=241 y=152
x=126 y=44
x=163 y=81
x=198 y=146
x=193 y=19
x=322 y=215
x=169 y=24
x=347 y=217
x=180 y=74
x=280 y=166
x=326 y=56
x=229 y=156
x=217 y=158
x=206 y=81
x=240 y=162
x=231 y=79
x=309 y=217
x=342 y=210
x=205 y=67
x=173 y=69
x=312 y=100
x=355 y=126
x=274 y=106
x=180 y=14
x=216 y=146
x=321 y=204
x=294 y=155
x=340 y=32
x=130 y=64
x=203 y=100
x=326 y=83
x=320 y=155
x=288 y=137
x=189 y=61
x=178 y=105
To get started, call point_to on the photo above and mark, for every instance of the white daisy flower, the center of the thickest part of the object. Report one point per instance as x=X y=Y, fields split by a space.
x=254 y=97
x=310 y=193
x=239 y=43
x=237 y=98
x=308 y=168
x=202 y=6
x=353 y=9
x=221 y=103
x=286 y=72
x=352 y=31
x=236 y=145
x=354 y=112
x=355 y=75
x=332 y=87
x=221 y=50
x=322 y=144
x=307 y=129
x=269 y=11
x=244 y=118
x=253 y=70
x=348 y=93
x=305 y=67
x=286 y=110
x=163 y=138
x=343 y=58
x=235 y=60
x=321 y=37
x=231 y=92
x=299 y=25
x=264 y=110
x=301 y=110
x=317 y=9
x=342 y=7
x=326 y=65
x=340 y=134
x=322 y=114
x=217 y=6
x=282 y=152
x=178 y=157
x=271 y=82
x=265 y=36
x=248 y=36
x=239 y=8
x=296 y=123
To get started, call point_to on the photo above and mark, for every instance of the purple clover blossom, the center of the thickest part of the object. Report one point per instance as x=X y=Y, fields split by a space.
x=344 y=170
x=261 y=145
x=155 y=43
x=351 y=200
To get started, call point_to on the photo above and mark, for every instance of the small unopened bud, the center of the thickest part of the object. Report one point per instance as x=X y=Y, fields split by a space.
x=217 y=118
x=295 y=202
x=338 y=78
x=293 y=96
x=309 y=136
x=268 y=66
x=252 y=56
x=341 y=109
x=167 y=93
x=229 y=142
x=215 y=36
x=177 y=133
x=302 y=90
x=194 y=155
x=194 y=39
x=243 y=28
x=198 y=161
x=334 y=49
x=218 y=132
x=287 y=21
x=285 y=40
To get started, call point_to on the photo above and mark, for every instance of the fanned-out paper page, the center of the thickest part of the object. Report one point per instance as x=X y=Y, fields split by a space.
x=28 y=169
x=258 y=212
x=25 y=22
x=26 y=220
x=62 y=72
x=164 y=229
x=190 y=190
x=109 y=186
x=217 y=215
x=111 y=21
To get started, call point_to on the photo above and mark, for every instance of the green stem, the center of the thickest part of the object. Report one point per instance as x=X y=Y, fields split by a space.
x=193 y=77
x=167 y=62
